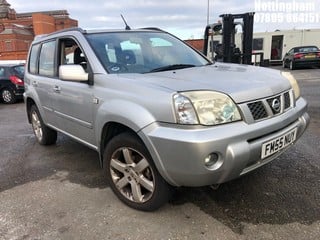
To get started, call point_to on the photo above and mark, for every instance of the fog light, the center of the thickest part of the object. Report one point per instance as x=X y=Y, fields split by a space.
x=211 y=160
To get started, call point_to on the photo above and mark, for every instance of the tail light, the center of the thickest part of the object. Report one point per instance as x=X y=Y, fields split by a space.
x=15 y=80
x=298 y=55
x=318 y=54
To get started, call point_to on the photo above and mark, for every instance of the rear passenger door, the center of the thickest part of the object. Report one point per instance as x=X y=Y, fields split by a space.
x=42 y=77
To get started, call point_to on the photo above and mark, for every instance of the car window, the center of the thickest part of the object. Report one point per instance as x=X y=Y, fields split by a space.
x=306 y=49
x=46 y=59
x=33 y=67
x=141 y=52
x=1 y=72
x=19 y=70
x=71 y=53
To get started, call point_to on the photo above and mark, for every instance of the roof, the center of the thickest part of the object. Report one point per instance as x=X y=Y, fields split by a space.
x=90 y=31
x=20 y=31
x=56 y=13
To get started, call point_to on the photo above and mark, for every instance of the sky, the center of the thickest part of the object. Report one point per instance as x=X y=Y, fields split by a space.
x=186 y=19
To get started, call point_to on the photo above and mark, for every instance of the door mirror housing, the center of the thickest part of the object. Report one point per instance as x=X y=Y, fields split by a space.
x=73 y=72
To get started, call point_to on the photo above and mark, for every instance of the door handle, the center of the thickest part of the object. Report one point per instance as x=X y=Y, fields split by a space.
x=57 y=89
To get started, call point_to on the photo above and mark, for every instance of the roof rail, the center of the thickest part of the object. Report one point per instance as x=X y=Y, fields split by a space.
x=153 y=28
x=71 y=29
x=40 y=36
x=60 y=31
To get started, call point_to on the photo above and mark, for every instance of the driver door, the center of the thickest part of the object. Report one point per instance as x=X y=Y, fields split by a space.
x=73 y=101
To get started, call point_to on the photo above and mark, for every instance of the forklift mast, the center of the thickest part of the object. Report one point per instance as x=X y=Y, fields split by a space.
x=229 y=50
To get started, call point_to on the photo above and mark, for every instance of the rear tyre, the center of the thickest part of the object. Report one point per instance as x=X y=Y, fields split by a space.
x=8 y=96
x=132 y=174
x=292 y=66
x=44 y=134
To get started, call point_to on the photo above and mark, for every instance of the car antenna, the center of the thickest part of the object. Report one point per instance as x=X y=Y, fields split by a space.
x=127 y=26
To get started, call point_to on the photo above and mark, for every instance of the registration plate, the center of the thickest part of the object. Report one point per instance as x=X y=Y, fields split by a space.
x=275 y=145
x=310 y=56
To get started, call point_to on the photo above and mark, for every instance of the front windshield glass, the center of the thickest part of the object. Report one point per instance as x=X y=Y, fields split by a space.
x=143 y=52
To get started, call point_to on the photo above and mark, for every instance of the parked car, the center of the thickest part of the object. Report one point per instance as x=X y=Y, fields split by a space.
x=159 y=113
x=11 y=83
x=305 y=56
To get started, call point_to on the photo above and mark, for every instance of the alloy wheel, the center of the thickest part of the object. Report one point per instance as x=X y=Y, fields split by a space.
x=36 y=124
x=132 y=175
x=6 y=96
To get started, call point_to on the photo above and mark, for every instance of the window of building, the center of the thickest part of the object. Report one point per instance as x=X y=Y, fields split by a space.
x=213 y=45
x=46 y=60
x=257 y=44
x=8 y=46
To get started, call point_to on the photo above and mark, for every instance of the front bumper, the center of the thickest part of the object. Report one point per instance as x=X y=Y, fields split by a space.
x=179 y=152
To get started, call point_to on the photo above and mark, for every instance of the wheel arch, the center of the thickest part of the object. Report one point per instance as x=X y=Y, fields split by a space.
x=118 y=116
x=110 y=130
x=29 y=102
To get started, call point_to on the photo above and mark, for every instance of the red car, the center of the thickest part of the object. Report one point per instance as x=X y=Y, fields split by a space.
x=305 y=56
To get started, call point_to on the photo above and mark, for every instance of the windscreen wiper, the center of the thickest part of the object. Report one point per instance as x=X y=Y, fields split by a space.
x=171 y=67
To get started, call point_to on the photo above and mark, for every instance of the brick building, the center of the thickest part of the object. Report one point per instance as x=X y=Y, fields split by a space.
x=17 y=30
x=196 y=43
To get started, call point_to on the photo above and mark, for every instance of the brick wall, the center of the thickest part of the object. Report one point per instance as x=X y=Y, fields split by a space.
x=43 y=24
x=16 y=46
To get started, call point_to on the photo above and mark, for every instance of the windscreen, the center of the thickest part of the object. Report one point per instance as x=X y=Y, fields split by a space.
x=143 y=52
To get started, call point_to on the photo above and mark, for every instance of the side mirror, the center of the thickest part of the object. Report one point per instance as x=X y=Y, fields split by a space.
x=73 y=72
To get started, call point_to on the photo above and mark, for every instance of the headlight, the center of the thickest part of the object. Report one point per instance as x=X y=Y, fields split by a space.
x=205 y=107
x=293 y=82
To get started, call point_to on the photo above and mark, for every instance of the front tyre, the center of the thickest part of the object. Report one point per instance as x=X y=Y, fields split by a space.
x=44 y=134
x=132 y=174
x=284 y=65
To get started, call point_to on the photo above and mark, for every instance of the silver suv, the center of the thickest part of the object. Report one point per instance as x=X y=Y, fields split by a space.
x=159 y=113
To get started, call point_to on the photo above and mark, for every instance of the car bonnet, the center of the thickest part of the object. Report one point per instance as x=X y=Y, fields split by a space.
x=241 y=82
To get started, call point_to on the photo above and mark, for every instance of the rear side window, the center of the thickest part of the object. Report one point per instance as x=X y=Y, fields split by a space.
x=46 y=59
x=33 y=59
x=19 y=70
x=1 y=72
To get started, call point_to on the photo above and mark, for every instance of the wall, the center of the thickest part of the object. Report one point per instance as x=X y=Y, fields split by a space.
x=43 y=24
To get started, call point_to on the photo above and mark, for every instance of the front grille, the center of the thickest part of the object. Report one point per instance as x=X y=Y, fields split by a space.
x=257 y=110
x=275 y=104
x=269 y=107
x=287 y=102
